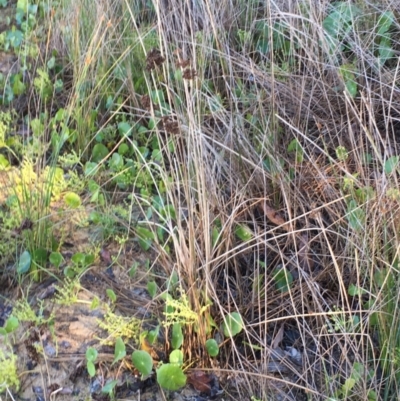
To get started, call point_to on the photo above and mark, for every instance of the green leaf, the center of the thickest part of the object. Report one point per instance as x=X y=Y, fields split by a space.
x=89 y=259
x=39 y=256
x=143 y=362
x=391 y=164
x=116 y=162
x=99 y=152
x=358 y=371
x=385 y=49
x=111 y=295
x=347 y=73
x=51 y=63
x=283 y=279
x=11 y=324
x=24 y=263
x=243 y=232
x=90 y=169
x=123 y=149
x=212 y=347
x=157 y=97
x=22 y=5
x=18 y=85
x=176 y=357
x=90 y=368
x=91 y=354
x=355 y=215
x=153 y=334
x=385 y=22
x=109 y=387
x=152 y=288
x=295 y=146
x=119 y=350
x=233 y=324
x=4 y=163
x=56 y=259
x=145 y=237
x=95 y=303
x=177 y=336
x=78 y=258
x=171 y=377
x=72 y=200
x=215 y=235
x=355 y=290
x=125 y=129
x=348 y=385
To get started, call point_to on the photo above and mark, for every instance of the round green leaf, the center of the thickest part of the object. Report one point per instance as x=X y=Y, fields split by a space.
x=123 y=149
x=72 y=200
x=171 y=377
x=11 y=325
x=56 y=259
x=91 y=354
x=176 y=357
x=99 y=152
x=233 y=324
x=212 y=347
x=24 y=263
x=90 y=168
x=124 y=129
x=143 y=362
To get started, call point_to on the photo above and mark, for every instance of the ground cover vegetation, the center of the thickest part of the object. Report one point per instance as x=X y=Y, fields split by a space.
x=212 y=185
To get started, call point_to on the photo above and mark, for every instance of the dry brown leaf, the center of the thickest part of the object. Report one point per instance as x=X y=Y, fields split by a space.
x=278 y=338
x=305 y=260
x=200 y=381
x=274 y=216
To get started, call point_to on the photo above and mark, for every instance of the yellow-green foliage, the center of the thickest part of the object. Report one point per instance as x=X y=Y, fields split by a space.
x=28 y=184
x=128 y=328
x=5 y=120
x=67 y=294
x=24 y=312
x=8 y=371
x=179 y=311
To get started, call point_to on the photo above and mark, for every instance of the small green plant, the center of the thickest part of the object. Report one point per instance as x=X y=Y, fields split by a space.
x=8 y=360
x=342 y=322
x=91 y=357
x=349 y=387
x=109 y=389
x=283 y=279
x=80 y=262
x=296 y=148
